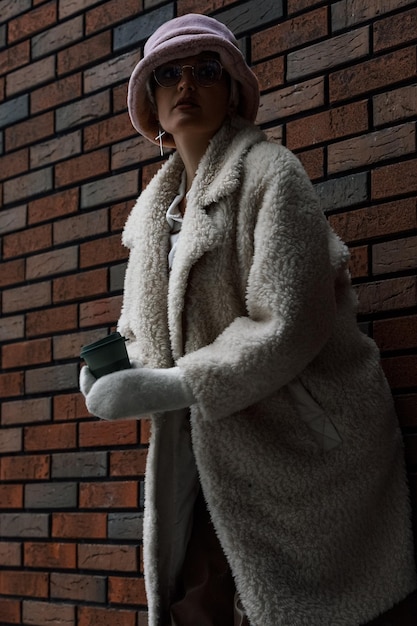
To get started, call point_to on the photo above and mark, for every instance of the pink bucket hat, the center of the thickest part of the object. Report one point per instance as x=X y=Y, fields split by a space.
x=183 y=37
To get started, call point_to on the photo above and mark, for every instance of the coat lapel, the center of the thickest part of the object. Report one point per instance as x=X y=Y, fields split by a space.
x=203 y=229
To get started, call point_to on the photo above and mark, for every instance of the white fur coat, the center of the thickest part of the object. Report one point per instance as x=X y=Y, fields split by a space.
x=259 y=301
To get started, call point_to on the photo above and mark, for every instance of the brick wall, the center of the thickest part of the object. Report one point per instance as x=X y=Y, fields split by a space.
x=339 y=88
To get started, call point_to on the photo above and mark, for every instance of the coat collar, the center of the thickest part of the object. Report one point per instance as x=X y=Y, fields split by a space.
x=218 y=176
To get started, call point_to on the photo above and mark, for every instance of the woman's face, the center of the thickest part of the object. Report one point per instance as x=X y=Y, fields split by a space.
x=188 y=108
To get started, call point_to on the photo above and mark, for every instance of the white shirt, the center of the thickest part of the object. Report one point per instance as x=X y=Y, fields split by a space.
x=174 y=219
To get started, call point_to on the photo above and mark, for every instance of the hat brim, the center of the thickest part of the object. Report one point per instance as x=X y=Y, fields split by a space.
x=140 y=110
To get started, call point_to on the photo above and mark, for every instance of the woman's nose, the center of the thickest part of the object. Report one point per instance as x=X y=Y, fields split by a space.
x=187 y=78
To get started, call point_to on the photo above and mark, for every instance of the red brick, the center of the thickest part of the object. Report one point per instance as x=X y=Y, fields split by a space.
x=395 y=105
x=328 y=125
x=56 y=93
x=32 y=22
x=49 y=321
x=26 y=353
x=11 y=497
x=79 y=525
x=80 y=226
x=145 y=431
x=110 y=13
x=10 y=611
x=29 y=467
x=394 y=180
x=270 y=74
x=406 y=407
x=376 y=221
x=28 y=410
x=30 y=131
x=17 y=299
x=79 y=286
x=358 y=264
x=395 y=30
x=102 y=433
x=373 y=74
x=107 y=557
x=313 y=162
x=128 y=462
x=48 y=613
x=289 y=34
x=70 y=406
x=105 y=311
x=126 y=591
x=53 y=206
x=50 y=437
x=11 y=384
x=387 y=295
x=102 y=251
x=82 y=167
x=91 y=616
x=84 y=53
x=14 y=56
x=31 y=75
x=22 y=583
x=12 y=273
x=108 y=131
x=50 y=555
x=401 y=371
x=291 y=100
x=398 y=333
x=148 y=172
x=119 y=214
x=10 y=556
x=115 y=495
x=27 y=241
x=14 y=164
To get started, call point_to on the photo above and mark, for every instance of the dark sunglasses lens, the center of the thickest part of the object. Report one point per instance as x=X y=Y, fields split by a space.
x=207 y=72
x=167 y=75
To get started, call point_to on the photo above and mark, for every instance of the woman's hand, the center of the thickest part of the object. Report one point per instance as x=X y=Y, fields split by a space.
x=135 y=392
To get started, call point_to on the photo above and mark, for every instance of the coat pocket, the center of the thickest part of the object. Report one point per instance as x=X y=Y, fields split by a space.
x=322 y=427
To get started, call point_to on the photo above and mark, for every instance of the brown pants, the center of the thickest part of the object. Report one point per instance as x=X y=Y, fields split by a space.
x=208 y=596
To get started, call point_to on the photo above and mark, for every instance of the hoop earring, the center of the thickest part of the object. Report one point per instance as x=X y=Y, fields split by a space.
x=159 y=138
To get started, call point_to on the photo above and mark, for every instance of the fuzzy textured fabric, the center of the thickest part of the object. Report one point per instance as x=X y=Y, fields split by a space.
x=181 y=37
x=259 y=296
x=136 y=392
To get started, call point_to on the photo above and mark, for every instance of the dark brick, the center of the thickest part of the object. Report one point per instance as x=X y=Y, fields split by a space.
x=342 y=192
x=51 y=496
x=24 y=525
x=14 y=110
x=79 y=464
x=137 y=30
x=49 y=379
x=125 y=526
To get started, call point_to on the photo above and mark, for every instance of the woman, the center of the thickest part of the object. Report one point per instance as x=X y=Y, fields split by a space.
x=275 y=485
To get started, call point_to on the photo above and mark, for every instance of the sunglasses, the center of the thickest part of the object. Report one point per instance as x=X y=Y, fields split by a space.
x=205 y=73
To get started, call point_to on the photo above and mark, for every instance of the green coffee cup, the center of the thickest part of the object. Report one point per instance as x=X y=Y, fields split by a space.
x=106 y=355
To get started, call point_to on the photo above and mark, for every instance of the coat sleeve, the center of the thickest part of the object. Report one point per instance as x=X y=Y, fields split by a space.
x=291 y=305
